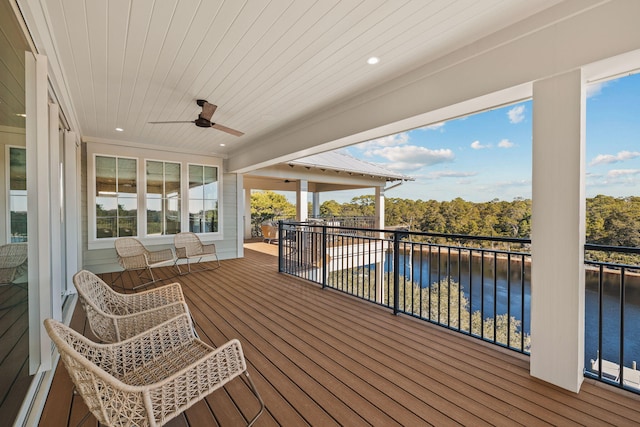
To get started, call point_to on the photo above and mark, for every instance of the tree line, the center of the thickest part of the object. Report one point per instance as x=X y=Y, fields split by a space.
x=613 y=221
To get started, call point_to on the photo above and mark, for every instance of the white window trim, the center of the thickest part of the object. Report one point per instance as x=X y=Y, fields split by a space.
x=185 y=207
x=7 y=202
x=96 y=149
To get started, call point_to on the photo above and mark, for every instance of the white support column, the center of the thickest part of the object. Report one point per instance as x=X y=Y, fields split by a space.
x=558 y=231
x=316 y=204
x=379 y=200
x=247 y=213
x=379 y=224
x=241 y=217
x=55 y=216
x=38 y=219
x=302 y=210
x=72 y=214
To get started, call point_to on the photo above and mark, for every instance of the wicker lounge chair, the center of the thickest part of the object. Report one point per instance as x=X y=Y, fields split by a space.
x=13 y=264
x=269 y=232
x=133 y=256
x=151 y=378
x=189 y=246
x=114 y=316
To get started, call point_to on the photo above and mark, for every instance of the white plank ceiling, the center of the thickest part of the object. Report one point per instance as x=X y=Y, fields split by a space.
x=263 y=63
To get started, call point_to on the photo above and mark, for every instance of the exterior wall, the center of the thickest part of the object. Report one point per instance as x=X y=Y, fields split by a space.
x=105 y=260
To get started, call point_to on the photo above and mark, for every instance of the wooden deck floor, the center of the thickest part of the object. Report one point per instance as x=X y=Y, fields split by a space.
x=319 y=357
x=14 y=349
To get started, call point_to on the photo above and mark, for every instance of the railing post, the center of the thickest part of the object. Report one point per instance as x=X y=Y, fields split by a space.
x=323 y=254
x=280 y=247
x=396 y=272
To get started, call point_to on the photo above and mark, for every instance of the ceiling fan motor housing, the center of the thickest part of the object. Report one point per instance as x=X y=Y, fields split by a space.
x=203 y=123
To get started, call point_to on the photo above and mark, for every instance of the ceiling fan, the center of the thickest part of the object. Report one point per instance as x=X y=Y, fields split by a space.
x=204 y=119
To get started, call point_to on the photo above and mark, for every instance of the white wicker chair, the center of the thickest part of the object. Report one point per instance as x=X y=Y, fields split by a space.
x=114 y=316
x=189 y=246
x=151 y=378
x=13 y=262
x=133 y=256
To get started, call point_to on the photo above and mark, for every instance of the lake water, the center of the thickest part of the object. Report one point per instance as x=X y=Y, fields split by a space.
x=497 y=283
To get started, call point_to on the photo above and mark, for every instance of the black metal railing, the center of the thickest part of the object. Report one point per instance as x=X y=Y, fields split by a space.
x=479 y=286
x=612 y=315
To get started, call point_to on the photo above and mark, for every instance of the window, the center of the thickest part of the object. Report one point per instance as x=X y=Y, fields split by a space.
x=203 y=199
x=18 y=194
x=116 y=197
x=151 y=197
x=163 y=198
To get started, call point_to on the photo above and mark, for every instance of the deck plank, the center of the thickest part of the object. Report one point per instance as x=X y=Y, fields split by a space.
x=320 y=357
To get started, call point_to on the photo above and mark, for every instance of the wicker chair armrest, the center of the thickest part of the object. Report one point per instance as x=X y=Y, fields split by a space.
x=132 y=262
x=133 y=324
x=163 y=255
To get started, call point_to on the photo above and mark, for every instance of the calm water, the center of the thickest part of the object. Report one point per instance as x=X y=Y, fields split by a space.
x=497 y=283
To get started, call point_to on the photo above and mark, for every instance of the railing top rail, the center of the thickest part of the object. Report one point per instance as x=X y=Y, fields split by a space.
x=605 y=248
x=416 y=233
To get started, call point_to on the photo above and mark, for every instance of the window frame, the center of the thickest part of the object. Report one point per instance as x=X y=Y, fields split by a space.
x=7 y=179
x=146 y=194
x=219 y=192
x=95 y=149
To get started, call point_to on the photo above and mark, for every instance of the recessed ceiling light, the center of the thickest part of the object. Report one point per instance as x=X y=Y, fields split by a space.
x=222 y=145
x=119 y=130
x=373 y=60
x=21 y=115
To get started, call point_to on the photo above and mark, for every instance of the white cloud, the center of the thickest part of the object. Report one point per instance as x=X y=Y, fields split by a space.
x=621 y=173
x=412 y=157
x=450 y=174
x=387 y=141
x=602 y=159
x=505 y=143
x=595 y=89
x=435 y=126
x=516 y=114
x=477 y=146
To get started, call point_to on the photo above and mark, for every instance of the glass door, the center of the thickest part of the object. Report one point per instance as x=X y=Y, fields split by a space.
x=14 y=234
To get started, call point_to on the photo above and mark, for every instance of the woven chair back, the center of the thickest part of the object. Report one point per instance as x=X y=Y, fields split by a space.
x=187 y=243
x=129 y=246
x=98 y=300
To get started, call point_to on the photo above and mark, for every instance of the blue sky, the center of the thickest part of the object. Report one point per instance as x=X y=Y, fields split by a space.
x=488 y=155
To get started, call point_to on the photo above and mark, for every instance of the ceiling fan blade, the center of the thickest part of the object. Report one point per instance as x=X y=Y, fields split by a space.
x=184 y=121
x=208 y=110
x=226 y=129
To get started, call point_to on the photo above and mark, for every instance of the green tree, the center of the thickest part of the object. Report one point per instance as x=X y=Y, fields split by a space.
x=269 y=206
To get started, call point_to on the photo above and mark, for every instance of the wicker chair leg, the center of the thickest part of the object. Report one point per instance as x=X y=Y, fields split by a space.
x=254 y=390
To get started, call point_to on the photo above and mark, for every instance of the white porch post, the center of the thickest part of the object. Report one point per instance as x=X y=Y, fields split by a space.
x=379 y=224
x=302 y=210
x=558 y=231
x=379 y=200
x=316 y=204
x=247 y=213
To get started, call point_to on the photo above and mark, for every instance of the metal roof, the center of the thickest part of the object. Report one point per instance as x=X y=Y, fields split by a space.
x=338 y=161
